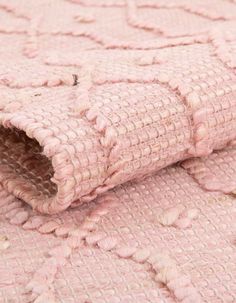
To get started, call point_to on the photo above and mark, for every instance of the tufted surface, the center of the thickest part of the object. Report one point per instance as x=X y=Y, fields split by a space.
x=117 y=151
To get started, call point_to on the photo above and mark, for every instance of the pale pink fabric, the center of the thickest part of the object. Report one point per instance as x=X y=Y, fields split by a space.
x=98 y=98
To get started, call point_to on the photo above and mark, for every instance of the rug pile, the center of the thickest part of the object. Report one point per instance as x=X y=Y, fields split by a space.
x=117 y=151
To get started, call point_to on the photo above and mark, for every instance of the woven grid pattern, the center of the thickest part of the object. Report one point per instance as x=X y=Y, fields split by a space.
x=130 y=112
x=98 y=93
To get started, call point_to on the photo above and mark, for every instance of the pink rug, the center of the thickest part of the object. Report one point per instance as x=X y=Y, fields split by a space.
x=117 y=151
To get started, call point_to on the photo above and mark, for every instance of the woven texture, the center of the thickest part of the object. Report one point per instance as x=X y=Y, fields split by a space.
x=117 y=151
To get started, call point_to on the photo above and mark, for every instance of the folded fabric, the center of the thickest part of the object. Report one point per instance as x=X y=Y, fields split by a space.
x=127 y=116
x=98 y=99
